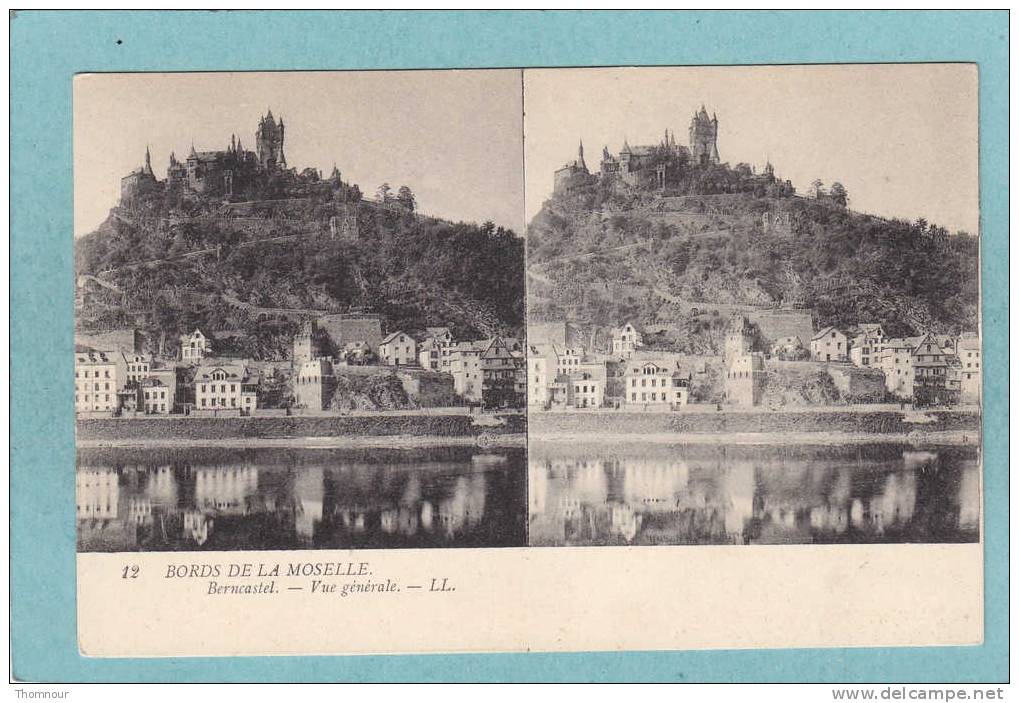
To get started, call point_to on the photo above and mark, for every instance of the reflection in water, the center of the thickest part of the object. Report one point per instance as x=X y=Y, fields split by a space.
x=753 y=495
x=133 y=500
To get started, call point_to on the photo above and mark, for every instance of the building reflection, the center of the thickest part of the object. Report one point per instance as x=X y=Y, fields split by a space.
x=723 y=496
x=241 y=502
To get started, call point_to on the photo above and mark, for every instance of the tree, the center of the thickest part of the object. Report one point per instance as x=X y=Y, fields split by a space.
x=382 y=194
x=816 y=189
x=838 y=195
x=406 y=198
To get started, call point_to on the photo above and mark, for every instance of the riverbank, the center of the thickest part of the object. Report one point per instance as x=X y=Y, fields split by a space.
x=383 y=428
x=690 y=426
x=757 y=439
x=783 y=424
x=484 y=441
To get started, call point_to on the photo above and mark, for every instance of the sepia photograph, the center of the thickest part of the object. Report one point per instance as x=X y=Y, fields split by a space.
x=753 y=300
x=299 y=311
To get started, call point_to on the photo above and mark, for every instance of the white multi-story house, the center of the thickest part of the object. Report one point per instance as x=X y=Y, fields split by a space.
x=137 y=366
x=829 y=345
x=398 y=349
x=541 y=364
x=969 y=363
x=441 y=339
x=866 y=347
x=896 y=361
x=626 y=340
x=586 y=390
x=653 y=385
x=465 y=365
x=227 y=386
x=156 y=395
x=429 y=355
x=96 y=380
x=568 y=359
x=194 y=347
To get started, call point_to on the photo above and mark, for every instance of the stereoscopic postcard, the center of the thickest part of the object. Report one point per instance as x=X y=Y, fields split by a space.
x=527 y=360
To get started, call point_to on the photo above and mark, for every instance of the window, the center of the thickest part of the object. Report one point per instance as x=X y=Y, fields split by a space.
x=203 y=402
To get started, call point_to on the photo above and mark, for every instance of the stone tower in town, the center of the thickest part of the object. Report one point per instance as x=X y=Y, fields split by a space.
x=269 y=144
x=704 y=138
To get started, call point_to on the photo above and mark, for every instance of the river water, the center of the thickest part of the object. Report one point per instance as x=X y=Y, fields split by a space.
x=562 y=495
x=712 y=494
x=234 y=499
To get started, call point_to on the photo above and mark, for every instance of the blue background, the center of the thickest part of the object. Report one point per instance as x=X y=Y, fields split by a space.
x=48 y=48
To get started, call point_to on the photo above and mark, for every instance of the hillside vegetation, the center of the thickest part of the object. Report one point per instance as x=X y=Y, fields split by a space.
x=416 y=271
x=684 y=258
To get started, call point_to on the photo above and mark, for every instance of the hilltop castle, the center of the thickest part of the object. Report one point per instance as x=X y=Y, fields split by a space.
x=217 y=173
x=649 y=164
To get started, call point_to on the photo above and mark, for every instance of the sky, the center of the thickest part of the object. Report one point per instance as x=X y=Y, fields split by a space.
x=453 y=137
x=901 y=138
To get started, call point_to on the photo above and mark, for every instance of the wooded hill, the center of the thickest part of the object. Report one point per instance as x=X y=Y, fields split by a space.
x=683 y=259
x=226 y=270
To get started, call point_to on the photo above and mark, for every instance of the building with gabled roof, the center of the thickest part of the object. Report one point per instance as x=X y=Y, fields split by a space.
x=194 y=347
x=896 y=361
x=157 y=395
x=654 y=385
x=829 y=344
x=226 y=386
x=626 y=340
x=931 y=383
x=398 y=349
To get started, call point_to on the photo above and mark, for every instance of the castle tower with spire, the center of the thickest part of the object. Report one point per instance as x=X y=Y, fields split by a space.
x=571 y=173
x=138 y=181
x=269 y=144
x=704 y=138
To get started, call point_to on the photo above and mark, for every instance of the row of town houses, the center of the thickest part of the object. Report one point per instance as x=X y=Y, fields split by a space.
x=927 y=369
x=432 y=365
x=549 y=371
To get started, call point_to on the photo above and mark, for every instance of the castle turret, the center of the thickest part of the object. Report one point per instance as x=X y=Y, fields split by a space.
x=572 y=172
x=704 y=138
x=269 y=143
x=137 y=181
x=282 y=157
